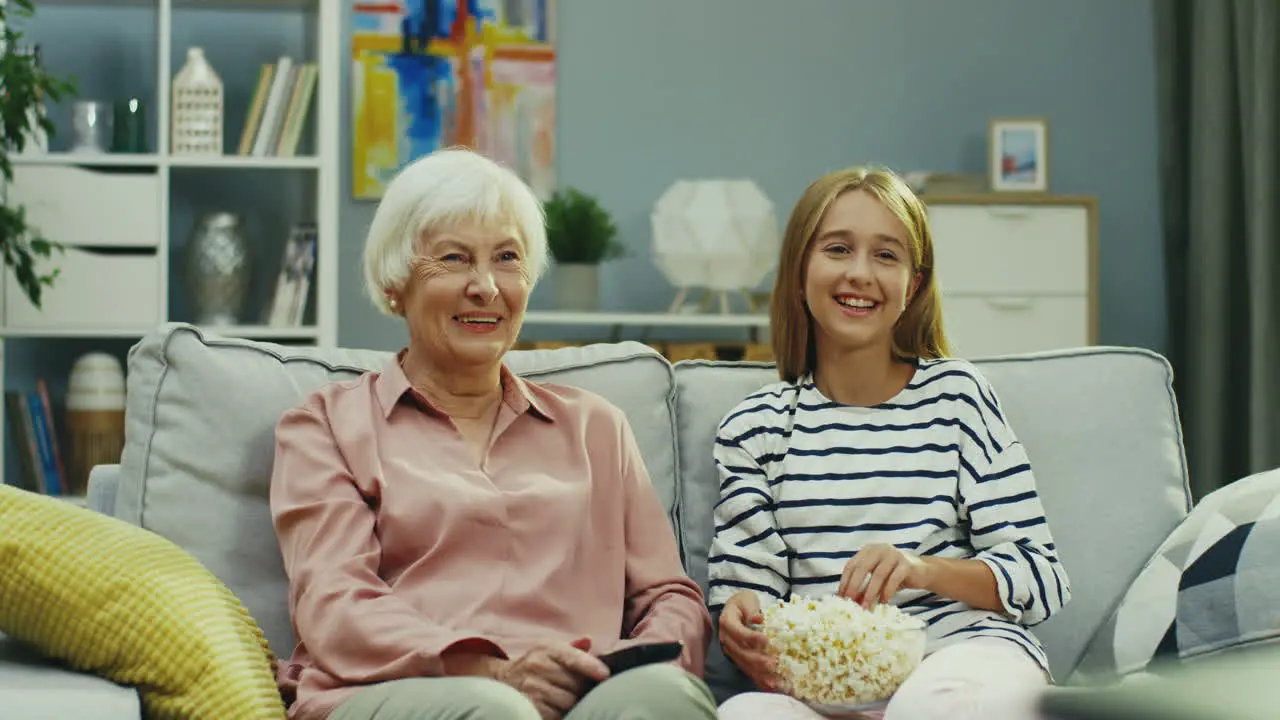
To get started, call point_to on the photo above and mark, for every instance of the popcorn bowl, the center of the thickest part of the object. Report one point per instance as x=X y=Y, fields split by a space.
x=839 y=657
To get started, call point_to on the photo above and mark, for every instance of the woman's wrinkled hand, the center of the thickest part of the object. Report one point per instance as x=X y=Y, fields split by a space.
x=745 y=645
x=877 y=572
x=554 y=677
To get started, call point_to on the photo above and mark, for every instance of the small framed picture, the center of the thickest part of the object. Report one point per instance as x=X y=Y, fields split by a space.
x=1019 y=154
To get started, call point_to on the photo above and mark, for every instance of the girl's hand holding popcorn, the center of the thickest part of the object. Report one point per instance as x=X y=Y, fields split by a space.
x=837 y=656
x=743 y=643
x=877 y=572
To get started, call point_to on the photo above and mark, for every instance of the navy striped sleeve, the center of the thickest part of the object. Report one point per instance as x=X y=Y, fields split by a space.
x=747 y=553
x=1007 y=524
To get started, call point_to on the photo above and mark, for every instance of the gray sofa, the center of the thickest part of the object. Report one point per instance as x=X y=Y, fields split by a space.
x=1100 y=425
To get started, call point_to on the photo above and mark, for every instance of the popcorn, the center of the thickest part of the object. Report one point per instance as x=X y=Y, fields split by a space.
x=831 y=650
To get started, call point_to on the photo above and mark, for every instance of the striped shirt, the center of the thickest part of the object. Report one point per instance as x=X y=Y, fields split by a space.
x=936 y=470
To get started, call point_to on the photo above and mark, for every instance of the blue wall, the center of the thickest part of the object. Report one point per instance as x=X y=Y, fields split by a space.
x=783 y=91
x=776 y=91
x=654 y=90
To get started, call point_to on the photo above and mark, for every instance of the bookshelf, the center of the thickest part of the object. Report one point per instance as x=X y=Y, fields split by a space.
x=116 y=287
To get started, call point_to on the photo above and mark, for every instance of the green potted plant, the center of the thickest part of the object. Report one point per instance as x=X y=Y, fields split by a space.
x=580 y=235
x=25 y=87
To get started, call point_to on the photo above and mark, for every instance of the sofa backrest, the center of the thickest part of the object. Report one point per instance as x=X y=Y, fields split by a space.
x=1099 y=424
x=200 y=426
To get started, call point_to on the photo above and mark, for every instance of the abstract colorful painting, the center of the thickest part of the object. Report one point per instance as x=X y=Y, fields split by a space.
x=428 y=74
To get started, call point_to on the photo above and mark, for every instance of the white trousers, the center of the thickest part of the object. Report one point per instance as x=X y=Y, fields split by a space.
x=978 y=679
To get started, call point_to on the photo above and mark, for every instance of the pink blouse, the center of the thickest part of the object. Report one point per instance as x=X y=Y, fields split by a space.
x=399 y=545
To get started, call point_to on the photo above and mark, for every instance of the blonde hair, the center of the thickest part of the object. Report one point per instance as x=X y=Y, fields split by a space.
x=918 y=333
x=438 y=191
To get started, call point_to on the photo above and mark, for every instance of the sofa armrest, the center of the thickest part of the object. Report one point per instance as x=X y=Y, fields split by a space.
x=33 y=688
x=1234 y=686
x=104 y=480
x=1210 y=586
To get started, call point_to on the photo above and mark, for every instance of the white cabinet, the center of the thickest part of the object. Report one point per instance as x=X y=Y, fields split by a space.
x=81 y=206
x=96 y=290
x=108 y=220
x=1015 y=274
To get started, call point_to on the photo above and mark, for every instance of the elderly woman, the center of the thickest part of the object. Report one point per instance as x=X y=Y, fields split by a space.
x=460 y=542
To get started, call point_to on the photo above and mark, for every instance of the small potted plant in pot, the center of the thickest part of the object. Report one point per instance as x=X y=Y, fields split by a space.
x=580 y=236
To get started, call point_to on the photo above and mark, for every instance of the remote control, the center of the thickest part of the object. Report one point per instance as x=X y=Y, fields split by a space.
x=638 y=655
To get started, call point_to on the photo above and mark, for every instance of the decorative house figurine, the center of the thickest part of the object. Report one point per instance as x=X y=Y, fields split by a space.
x=197 y=107
x=95 y=416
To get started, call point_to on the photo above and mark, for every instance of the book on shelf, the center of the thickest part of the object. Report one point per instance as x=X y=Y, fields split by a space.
x=279 y=109
x=35 y=436
x=288 y=303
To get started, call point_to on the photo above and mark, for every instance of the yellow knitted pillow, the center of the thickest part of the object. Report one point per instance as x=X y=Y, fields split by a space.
x=115 y=600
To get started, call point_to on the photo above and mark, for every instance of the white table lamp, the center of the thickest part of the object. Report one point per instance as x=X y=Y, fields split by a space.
x=721 y=235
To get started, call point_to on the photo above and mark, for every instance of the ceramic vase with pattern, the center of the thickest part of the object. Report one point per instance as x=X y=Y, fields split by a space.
x=219 y=268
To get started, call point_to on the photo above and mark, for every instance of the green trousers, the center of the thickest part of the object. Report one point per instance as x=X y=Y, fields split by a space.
x=653 y=692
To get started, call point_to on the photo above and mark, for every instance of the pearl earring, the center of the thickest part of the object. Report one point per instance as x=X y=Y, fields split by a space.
x=392 y=303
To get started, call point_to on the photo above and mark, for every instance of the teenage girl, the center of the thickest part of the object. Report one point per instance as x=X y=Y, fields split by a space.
x=880 y=470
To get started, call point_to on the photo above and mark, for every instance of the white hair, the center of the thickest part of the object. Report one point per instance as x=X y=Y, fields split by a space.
x=442 y=190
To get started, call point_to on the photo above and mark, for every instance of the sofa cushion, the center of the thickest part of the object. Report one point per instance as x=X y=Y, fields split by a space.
x=109 y=598
x=1099 y=424
x=200 y=439
x=33 y=687
x=1213 y=585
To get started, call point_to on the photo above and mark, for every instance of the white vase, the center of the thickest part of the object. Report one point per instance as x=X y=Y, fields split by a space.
x=576 y=286
x=196 y=117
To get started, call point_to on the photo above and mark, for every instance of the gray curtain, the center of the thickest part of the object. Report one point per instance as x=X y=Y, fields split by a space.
x=1218 y=67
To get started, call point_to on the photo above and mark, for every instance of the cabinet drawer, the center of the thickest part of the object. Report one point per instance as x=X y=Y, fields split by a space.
x=1011 y=249
x=92 y=291
x=995 y=325
x=79 y=206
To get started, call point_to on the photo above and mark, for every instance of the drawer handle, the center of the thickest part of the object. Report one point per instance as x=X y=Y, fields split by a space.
x=1010 y=303
x=1009 y=211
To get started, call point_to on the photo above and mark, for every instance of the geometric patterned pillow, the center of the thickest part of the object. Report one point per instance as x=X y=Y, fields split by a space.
x=112 y=599
x=1213 y=584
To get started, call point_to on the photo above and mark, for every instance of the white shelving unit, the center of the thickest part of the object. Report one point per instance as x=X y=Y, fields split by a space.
x=318 y=33
x=324 y=47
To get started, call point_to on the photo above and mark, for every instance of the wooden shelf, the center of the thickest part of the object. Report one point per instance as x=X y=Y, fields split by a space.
x=73 y=332
x=98 y=3
x=264 y=332
x=655 y=319
x=241 y=161
x=87 y=159
x=242 y=331
x=212 y=162
x=312 y=5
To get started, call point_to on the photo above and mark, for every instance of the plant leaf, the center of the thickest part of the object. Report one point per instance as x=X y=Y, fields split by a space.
x=579 y=230
x=25 y=86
